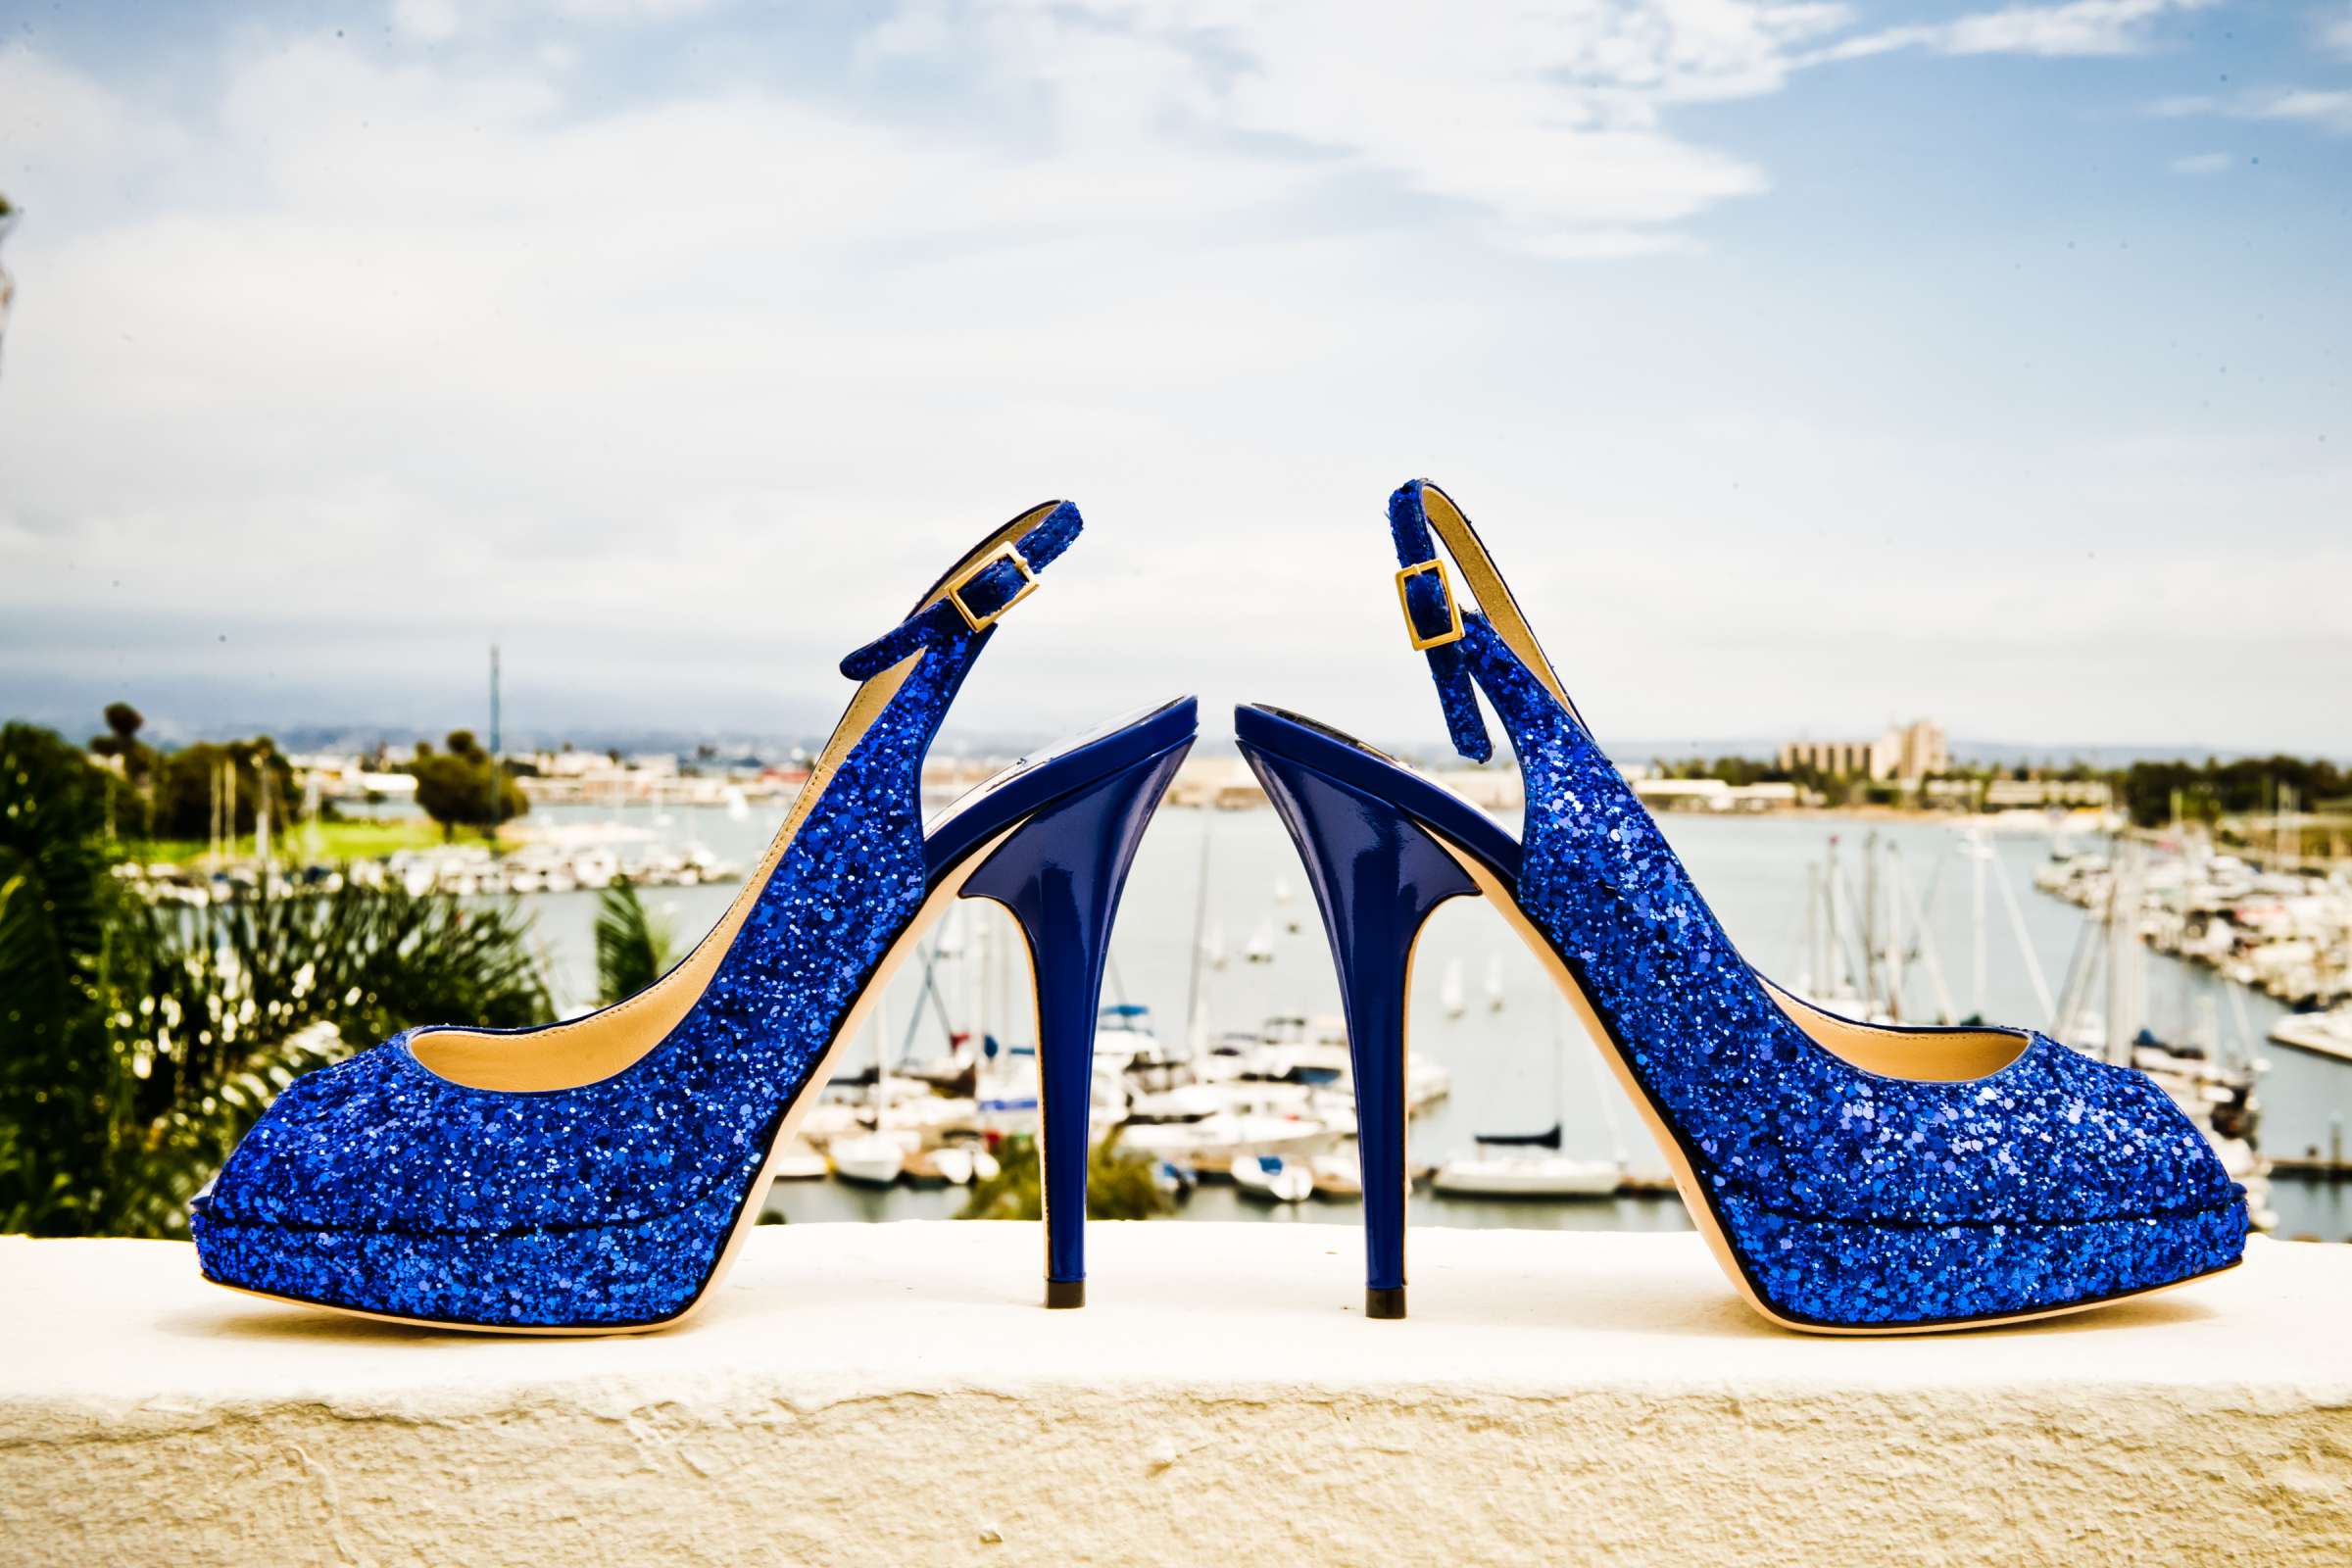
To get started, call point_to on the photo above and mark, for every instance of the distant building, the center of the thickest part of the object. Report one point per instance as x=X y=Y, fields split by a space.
x=2007 y=793
x=1711 y=794
x=1903 y=755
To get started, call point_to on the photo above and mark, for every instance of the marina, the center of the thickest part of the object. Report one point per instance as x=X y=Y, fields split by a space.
x=1213 y=1054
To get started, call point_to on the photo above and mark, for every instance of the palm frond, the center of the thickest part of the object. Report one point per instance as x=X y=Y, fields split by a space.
x=632 y=947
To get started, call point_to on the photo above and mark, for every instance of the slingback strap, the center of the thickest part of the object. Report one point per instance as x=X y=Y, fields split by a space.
x=1433 y=619
x=970 y=599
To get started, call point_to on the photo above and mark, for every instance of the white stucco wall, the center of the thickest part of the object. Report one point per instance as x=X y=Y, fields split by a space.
x=888 y=1394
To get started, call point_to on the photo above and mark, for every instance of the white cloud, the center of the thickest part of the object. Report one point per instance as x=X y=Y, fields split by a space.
x=1549 y=121
x=71 y=139
x=358 y=355
x=2332 y=30
x=429 y=20
x=2079 y=28
x=2327 y=110
x=1611 y=244
x=2202 y=163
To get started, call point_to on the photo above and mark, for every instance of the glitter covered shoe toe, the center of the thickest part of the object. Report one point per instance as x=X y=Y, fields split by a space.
x=1853 y=1178
x=593 y=1176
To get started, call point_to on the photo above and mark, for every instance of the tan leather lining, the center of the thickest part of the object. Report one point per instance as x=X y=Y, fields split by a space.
x=595 y=1048
x=598 y=1047
x=1886 y=1053
x=1487 y=587
x=1920 y=1055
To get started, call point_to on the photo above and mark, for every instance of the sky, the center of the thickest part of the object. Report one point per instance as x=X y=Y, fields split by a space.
x=1807 y=366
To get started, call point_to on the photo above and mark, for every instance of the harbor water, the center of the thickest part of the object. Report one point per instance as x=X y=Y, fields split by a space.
x=1519 y=1060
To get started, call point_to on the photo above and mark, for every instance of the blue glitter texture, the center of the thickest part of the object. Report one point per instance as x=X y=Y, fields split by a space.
x=1851 y=1198
x=378 y=1184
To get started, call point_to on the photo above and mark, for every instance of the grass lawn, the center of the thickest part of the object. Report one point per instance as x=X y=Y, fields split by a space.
x=365 y=840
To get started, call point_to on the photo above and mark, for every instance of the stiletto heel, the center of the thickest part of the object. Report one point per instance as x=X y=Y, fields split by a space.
x=1850 y=1178
x=1060 y=874
x=1376 y=878
x=596 y=1176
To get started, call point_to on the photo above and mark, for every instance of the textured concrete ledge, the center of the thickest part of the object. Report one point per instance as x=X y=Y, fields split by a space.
x=888 y=1394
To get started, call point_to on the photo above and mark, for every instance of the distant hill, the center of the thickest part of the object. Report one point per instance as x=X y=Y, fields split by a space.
x=736 y=744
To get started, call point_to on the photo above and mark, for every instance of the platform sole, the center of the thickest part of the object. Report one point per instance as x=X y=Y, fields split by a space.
x=507 y=1251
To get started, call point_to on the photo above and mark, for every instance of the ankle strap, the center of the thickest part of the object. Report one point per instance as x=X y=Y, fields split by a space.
x=1433 y=619
x=965 y=603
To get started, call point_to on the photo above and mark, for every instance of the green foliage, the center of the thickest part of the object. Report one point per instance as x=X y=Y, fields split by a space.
x=1119 y=1185
x=188 y=788
x=465 y=786
x=57 y=1076
x=633 y=950
x=121 y=741
x=139 y=1043
x=2226 y=789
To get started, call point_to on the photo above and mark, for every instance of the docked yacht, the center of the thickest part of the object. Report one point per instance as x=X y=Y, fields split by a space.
x=2329 y=1034
x=1527 y=1175
x=1272 y=1179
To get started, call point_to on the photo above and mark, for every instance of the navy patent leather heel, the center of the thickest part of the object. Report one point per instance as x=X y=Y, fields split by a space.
x=1376 y=878
x=1851 y=1178
x=1060 y=875
x=598 y=1175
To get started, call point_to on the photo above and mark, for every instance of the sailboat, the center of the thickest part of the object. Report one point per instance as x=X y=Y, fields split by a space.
x=868 y=1160
x=1526 y=1176
x=2215 y=1087
x=1495 y=982
x=1260 y=948
x=1450 y=990
x=957 y=1164
x=1339 y=1175
x=2329 y=1034
x=1272 y=1179
x=1282 y=900
x=1532 y=1174
x=949 y=944
x=1212 y=946
x=875 y=1158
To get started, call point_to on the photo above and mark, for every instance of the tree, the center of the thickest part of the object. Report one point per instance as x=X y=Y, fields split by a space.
x=195 y=784
x=57 y=1077
x=1119 y=1184
x=465 y=786
x=137 y=1043
x=121 y=740
x=632 y=949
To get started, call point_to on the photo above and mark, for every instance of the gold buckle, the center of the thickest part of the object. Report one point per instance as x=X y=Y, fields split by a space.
x=1453 y=606
x=956 y=586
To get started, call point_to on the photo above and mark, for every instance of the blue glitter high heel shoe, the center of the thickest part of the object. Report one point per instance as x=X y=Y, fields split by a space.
x=1850 y=1178
x=596 y=1176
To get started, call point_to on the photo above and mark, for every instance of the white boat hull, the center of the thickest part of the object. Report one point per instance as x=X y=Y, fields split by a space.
x=1215 y=1142
x=1526 y=1178
x=873 y=1161
x=1274 y=1180
x=2329 y=1034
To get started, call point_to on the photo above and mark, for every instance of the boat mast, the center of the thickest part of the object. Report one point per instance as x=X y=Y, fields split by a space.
x=1870 y=923
x=1195 y=1021
x=1978 y=850
x=1810 y=981
x=881 y=1056
x=2124 y=996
